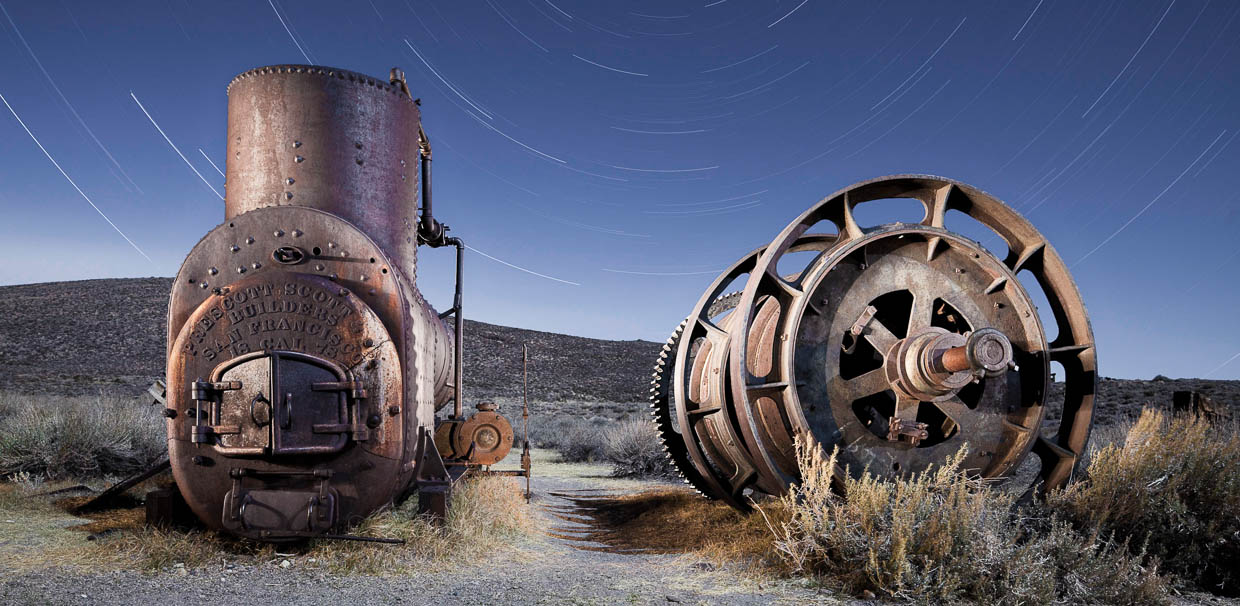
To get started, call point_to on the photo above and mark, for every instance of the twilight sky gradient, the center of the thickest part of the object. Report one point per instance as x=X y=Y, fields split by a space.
x=630 y=149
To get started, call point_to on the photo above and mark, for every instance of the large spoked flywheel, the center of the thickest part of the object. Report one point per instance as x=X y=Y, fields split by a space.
x=897 y=343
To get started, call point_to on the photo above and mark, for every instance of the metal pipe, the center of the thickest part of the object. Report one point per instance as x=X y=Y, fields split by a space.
x=428 y=219
x=458 y=359
x=430 y=231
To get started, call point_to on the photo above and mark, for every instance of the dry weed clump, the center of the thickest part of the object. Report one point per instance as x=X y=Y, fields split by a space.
x=633 y=448
x=78 y=437
x=485 y=513
x=1173 y=485
x=945 y=535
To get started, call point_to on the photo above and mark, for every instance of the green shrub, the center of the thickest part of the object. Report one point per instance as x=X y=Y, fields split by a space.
x=79 y=437
x=634 y=449
x=945 y=535
x=1173 y=484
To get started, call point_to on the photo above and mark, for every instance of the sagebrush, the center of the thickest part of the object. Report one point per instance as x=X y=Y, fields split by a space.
x=946 y=535
x=575 y=439
x=1173 y=484
x=78 y=437
x=633 y=448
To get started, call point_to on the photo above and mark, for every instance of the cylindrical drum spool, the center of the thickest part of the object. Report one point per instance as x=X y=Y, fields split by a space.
x=330 y=139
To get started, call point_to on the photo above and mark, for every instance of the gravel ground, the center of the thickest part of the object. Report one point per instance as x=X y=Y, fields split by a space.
x=540 y=570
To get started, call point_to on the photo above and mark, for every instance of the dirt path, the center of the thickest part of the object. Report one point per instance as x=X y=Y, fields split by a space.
x=542 y=569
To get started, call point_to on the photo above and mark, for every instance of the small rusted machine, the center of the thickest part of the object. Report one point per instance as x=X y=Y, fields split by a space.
x=473 y=445
x=304 y=367
x=896 y=343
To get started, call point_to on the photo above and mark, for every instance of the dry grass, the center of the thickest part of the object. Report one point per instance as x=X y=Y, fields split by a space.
x=674 y=521
x=77 y=437
x=487 y=515
x=1173 y=484
x=945 y=535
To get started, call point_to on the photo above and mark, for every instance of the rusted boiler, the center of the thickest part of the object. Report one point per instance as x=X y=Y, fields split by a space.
x=896 y=343
x=304 y=367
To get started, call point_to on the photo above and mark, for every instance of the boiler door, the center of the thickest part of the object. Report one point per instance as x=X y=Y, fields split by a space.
x=286 y=401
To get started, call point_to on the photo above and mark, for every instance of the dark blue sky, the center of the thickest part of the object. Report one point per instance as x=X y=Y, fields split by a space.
x=597 y=143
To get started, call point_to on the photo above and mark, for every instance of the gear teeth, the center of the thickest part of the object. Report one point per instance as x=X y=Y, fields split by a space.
x=660 y=399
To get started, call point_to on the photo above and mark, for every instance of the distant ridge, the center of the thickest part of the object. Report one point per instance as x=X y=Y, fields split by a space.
x=107 y=336
x=89 y=336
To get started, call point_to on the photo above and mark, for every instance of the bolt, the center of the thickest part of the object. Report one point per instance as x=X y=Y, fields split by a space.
x=298 y=159
x=368 y=342
x=288 y=195
x=297 y=233
x=256 y=265
x=240 y=270
x=213 y=271
x=959 y=270
x=296 y=143
x=393 y=410
x=279 y=233
x=249 y=240
x=203 y=285
x=235 y=248
x=289 y=181
x=373 y=421
x=318 y=267
x=170 y=413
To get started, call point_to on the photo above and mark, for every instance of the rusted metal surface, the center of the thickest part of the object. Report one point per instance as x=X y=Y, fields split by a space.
x=896 y=343
x=484 y=438
x=304 y=366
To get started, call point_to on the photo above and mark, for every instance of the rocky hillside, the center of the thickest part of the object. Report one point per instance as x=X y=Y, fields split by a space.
x=107 y=335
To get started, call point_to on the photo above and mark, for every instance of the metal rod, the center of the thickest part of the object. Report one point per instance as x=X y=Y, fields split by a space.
x=353 y=537
x=954 y=359
x=525 y=414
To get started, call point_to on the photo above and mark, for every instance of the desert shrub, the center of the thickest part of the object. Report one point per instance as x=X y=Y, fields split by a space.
x=945 y=535
x=574 y=438
x=634 y=449
x=80 y=437
x=1173 y=484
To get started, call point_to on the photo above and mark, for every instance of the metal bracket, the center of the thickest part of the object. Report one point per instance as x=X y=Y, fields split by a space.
x=898 y=428
x=431 y=478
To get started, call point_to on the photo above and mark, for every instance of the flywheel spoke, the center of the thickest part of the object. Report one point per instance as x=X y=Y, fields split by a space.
x=956 y=410
x=922 y=312
x=864 y=385
x=879 y=336
x=906 y=408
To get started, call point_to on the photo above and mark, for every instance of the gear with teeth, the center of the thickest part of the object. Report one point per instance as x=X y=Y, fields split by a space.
x=661 y=401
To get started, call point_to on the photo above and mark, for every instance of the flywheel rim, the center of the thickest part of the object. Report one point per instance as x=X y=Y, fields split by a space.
x=1029 y=250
